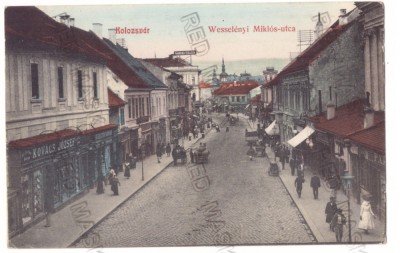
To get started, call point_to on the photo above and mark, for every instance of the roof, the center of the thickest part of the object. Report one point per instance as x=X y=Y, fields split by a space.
x=114 y=101
x=236 y=88
x=168 y=62
x=131 y=64
x=349 y=119
x=29 y=27
x=373 y=137
x=311 y=53
x=204 y=85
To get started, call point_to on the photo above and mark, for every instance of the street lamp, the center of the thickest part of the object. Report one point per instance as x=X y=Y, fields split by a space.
x=142 y=153
x=347 y=182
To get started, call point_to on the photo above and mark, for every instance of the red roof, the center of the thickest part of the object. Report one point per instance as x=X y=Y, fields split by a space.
x=311 y=53
x=236 y=88
x=349 y=119
x=168 y=62
x=28 y=25
x=31 y=25
x=114 y=101
x=42 y=138
x=204 y=85
x=373 y=137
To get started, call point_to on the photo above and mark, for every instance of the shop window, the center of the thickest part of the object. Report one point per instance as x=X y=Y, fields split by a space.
x=32 y=195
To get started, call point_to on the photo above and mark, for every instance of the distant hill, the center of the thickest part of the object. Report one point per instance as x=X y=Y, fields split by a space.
x=253 y=66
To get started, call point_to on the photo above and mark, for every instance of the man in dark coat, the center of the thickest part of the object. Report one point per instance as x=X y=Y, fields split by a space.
x=299 y=185
x=168 y=149
x=114 y=185
x=191 y=155
x=315 y=183
x=338 y=221
x=159 y=153
x=292 y=165
x=330 y=210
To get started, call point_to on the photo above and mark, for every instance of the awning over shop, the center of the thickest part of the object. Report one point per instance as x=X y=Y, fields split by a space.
x=272 y=129
x=300 y=137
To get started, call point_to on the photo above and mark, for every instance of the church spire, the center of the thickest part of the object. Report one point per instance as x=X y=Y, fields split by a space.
x=223 y=65
x=319 y=28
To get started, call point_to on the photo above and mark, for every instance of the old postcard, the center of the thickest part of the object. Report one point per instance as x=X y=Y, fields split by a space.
x=165 y=125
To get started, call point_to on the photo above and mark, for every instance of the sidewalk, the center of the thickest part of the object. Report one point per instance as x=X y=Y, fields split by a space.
x=72 y=221
x=314 y=210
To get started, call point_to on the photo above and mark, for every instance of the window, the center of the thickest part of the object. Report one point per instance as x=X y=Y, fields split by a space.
x=95 y=95
x=35 y=80
x=243 y=98
x=130 y=108
x=121 y=116
x=238 y=99
x=80 y=88
x=60 y=82
x=136 y=108
x=142 y=106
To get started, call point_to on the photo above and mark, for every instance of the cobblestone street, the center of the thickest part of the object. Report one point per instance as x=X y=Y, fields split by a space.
x=241 y=205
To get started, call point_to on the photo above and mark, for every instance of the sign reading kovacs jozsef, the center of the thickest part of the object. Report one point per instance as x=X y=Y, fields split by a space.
x=48 y=149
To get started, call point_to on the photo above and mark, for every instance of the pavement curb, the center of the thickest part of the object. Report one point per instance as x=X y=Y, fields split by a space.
x=130 y=196
x=119 y=205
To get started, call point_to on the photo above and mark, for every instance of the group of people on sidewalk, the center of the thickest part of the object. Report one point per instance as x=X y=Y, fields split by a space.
x=336 y=219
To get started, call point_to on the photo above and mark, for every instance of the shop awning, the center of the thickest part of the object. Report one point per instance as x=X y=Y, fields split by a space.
x=300 y=137
x=272 y=129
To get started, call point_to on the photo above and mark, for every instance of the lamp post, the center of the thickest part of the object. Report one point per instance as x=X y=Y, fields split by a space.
x=347 y=182
x=279 y=121
x=142 y=153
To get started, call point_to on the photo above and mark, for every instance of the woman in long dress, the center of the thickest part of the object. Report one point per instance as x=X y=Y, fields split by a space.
x=366 y=214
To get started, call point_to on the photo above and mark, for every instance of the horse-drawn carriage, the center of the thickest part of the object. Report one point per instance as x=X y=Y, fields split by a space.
x=233 y=120
x=251 y=137
x=179 y=154
x=200 y=155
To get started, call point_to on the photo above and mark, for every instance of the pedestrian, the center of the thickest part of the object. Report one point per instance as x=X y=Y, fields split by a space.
x=282 y=156
x=159 y=153
x=174 y=154
x=366 y=214
x=330 y=210
x=114 y=185
x=111 y=174
x=168 y=149
x=300 y=169
x=127 y=170
x=100 y=185
x=133 y=162
x=227 y=129
x=338 y=221
x=191 y=154
x=315 y=183
x=251 y=153
x=298 y=183
x=292 y=164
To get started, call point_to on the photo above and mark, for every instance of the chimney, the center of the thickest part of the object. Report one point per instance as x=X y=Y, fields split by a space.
x=330 y=110
x=72 y=22
x=112 y=35
x=98 y=29
x=342 y=17
x=368 y=117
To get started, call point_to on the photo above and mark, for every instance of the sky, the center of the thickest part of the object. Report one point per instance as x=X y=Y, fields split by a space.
x=167 y=35
x=167 y=26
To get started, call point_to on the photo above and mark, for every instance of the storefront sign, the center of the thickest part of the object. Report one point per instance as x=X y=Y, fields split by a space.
x=103 y=135
x=48 y=149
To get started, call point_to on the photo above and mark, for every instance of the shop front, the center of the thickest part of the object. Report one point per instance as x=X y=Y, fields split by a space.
x=43 y=173
x=47 y=171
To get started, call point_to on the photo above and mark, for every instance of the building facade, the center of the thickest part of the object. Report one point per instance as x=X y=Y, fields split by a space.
x=59 y=138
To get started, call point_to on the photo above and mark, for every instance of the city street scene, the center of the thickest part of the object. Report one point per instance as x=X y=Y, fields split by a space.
x=195 y=125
